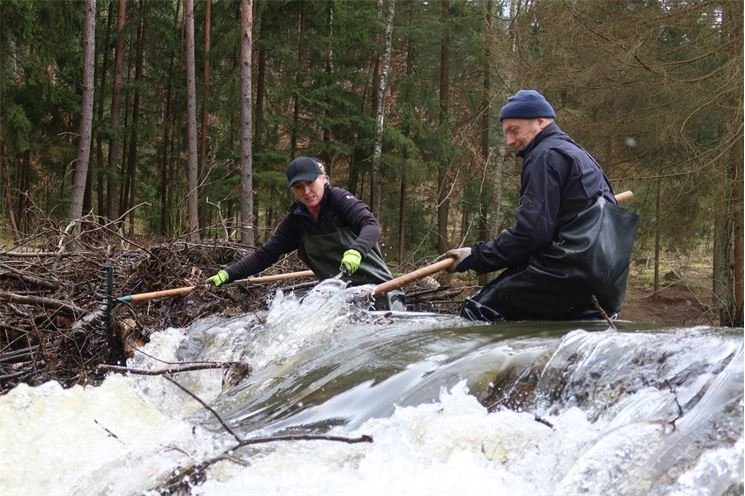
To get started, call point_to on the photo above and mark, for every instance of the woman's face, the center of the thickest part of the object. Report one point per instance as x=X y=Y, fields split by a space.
x=310 y=193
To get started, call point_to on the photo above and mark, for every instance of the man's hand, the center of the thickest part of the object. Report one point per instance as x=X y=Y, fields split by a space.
x=463 y=259
x=350 y=262
x=219 y=278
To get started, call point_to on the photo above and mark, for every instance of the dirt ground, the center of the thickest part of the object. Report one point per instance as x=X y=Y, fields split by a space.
x=672 y=305
x=683 y=297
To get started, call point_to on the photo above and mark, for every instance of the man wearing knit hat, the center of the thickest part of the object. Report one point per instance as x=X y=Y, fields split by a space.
x=567 y=256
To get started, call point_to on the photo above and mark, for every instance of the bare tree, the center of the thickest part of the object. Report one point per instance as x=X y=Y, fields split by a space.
x=443 y=189
x=298 y=80
x=192 y=198
x=247 y=214
x=4 y=173
x=130 y=184
x=376 y=186
x=484 y=226
x=734 y=32
x=116 y=99
x=402 y=186
x=203 y=142
x=86 y=120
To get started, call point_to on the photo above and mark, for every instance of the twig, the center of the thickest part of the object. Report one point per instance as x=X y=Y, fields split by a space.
x=305 y=437
x=108 y=431
x=172 y=370
x=209 y=408
x=680 y=408
x=543 y=421
x=602 y=312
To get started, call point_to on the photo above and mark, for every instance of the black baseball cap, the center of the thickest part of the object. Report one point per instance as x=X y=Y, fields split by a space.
x=302 y=169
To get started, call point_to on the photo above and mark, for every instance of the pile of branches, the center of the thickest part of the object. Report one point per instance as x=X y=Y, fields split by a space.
x=59 y=318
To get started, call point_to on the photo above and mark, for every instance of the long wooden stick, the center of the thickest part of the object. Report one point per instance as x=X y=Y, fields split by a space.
x=405 y=279
x=622 y=197
x=186 y=289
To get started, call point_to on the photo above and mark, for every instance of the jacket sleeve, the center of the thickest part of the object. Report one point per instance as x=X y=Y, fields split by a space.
x=359 y=217
x=540 y=199
x=283 y=240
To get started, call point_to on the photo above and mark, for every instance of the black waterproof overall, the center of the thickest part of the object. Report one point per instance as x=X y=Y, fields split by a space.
x=589 y=258
x=322 y=252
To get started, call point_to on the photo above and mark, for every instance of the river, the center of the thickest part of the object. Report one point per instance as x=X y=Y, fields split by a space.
x=447 y=408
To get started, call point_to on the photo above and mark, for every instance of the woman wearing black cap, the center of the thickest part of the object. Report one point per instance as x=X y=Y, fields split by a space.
x=331 y=229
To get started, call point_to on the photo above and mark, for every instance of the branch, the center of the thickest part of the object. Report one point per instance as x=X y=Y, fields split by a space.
x=209 y=408
x=597 y=306
x=173 y=370
x=46 y=303
x=305 y=437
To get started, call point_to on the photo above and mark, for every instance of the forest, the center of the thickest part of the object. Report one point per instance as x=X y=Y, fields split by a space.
x=175 y=119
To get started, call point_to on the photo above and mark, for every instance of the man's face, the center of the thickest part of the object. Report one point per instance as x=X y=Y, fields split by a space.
x=518 y=133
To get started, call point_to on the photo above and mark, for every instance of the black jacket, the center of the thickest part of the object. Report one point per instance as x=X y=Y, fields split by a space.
x=339 y=209
x=558 y=180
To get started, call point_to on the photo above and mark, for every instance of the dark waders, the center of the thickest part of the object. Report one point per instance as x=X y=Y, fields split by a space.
x=323 y=254
x=590 y=258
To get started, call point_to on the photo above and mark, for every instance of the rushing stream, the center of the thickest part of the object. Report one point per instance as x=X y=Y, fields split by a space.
x=452 y=408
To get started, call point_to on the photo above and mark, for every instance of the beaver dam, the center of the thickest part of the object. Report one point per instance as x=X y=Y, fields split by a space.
x=56 y=321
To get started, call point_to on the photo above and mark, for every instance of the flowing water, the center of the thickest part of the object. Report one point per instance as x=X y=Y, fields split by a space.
x=451 y=408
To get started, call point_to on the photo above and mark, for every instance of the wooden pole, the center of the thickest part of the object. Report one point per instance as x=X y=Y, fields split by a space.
x=622 y=197
x=405 y=279
x=186 y=289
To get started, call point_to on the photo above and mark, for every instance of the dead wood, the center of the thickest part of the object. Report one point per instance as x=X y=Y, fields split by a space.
x=46 y=303
x=53 y=323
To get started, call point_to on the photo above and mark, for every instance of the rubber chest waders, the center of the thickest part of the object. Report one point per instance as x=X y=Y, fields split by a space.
x=323 y=253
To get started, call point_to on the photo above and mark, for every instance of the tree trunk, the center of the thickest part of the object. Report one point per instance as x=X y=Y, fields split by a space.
x=5 y=184
x=112 y=179
x=326 y=150
x=203 y=167
x=205 y=84
x=192 y=196
x=260 y=85
x=86 y=121
x=407 y=132
x=736 y=162
x=101 y=176
x=657 y=227
x=167 y=138
x=129 y=199
x=734 y=30
x=247 y=213
x=727 y=258
x=376 y=179
x=7 y=195
x=298 y=80
x=486 y=222
x=443 y=186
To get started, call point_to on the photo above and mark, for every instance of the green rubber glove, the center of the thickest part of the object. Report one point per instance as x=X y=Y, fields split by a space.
x=350 y=262
x=219 y=278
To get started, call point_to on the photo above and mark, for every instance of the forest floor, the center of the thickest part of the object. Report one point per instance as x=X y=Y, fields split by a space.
x=683 y=297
